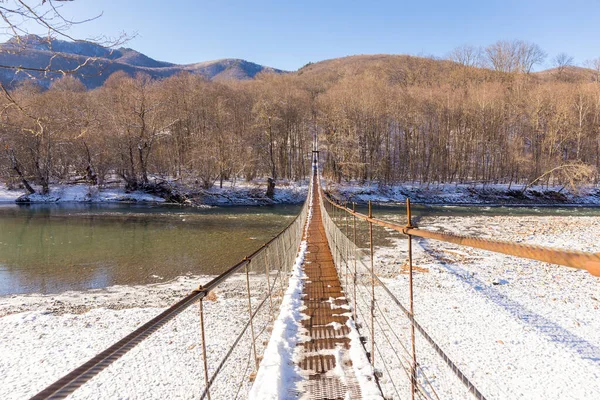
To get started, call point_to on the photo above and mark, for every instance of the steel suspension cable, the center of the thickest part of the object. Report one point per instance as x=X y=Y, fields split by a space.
x=568 y=258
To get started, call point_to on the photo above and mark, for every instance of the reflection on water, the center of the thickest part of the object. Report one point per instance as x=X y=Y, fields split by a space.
x=53 y=248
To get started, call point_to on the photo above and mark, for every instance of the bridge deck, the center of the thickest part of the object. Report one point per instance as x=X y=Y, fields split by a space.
x=327 y=311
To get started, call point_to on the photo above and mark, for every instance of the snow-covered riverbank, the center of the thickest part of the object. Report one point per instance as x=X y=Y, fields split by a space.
x=290 y=192
x=78 y=193
x=232 y=193
x=520 y=329
x=464 y=194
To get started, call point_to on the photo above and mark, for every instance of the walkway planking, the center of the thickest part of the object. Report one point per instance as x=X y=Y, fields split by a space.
x=318 y=358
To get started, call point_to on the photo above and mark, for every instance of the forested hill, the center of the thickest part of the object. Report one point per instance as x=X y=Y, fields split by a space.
x=380 y=118
x=410 y=70
x=389 y=119
x=93 y=64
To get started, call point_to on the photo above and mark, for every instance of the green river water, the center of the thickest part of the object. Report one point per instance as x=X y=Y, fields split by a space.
x=53 y=248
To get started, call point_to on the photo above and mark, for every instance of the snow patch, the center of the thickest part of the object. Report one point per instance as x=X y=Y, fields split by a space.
x=362 y=367
x=278 y=374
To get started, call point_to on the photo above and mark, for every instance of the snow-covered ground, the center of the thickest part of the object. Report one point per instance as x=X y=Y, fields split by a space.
x=42 y=337
x=463 y=194
x=519 y=329
x=254 y=193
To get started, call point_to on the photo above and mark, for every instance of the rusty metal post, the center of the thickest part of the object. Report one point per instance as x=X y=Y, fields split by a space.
x=338 y=250
x=284 y=264
x=268 y=272
x=204 y=347
x=332 y=211
x=286 y=258
x=276 y=244
x=372 y=286
x=355 y=259
x=292 y=251
x=346 y=240
x=336 y=253
x=251 y=319
x=413 y=379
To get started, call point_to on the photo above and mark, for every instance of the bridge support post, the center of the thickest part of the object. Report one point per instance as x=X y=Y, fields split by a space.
x=372 y=286
x=268 y=273
x=281 y=271
x=202 y=333
x=413 y=375
x=250 y=315
x=346 y=245
x=355 y=257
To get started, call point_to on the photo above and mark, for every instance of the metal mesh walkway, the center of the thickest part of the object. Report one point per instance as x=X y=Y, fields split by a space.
x=327 y=311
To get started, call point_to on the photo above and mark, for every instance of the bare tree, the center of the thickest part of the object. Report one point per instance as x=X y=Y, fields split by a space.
x=514 y=56
x=503 y=56
x=467 y=55
x=572 y=174
x=561 y=62
x=529 y=55
x=595 y=65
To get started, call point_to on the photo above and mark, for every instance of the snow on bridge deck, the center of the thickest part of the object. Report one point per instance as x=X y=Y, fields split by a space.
x=325 y=357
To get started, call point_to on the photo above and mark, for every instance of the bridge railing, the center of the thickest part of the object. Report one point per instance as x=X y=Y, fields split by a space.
x=193 y=352
x=390 y=337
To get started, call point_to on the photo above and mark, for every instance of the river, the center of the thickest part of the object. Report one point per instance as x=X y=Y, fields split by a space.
x=54 y=248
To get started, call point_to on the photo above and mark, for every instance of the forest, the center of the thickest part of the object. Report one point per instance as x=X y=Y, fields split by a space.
x=379 y=119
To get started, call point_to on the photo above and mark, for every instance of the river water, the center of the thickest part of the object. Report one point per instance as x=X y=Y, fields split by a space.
x=54 y=248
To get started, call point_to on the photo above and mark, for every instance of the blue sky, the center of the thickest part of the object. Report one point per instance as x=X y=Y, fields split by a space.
x=287 y=34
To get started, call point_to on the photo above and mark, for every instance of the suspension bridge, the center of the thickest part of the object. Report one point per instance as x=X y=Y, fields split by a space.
x=319 y=310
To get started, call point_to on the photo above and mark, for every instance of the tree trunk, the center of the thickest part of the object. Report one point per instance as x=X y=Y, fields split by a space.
x=270 y=188
x=17 y=169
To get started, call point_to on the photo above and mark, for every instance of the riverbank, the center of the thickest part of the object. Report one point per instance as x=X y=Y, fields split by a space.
x=242 y=193
x=464 y=194
x=239 y=193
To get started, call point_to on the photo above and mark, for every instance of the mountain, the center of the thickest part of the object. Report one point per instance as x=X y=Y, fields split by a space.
x=93 y=64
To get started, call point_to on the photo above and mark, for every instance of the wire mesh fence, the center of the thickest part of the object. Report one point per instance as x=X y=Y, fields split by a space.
x=407 y=361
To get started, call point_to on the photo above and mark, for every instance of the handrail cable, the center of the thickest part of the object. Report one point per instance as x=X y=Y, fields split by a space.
x=568 y=258
x=237 y=340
